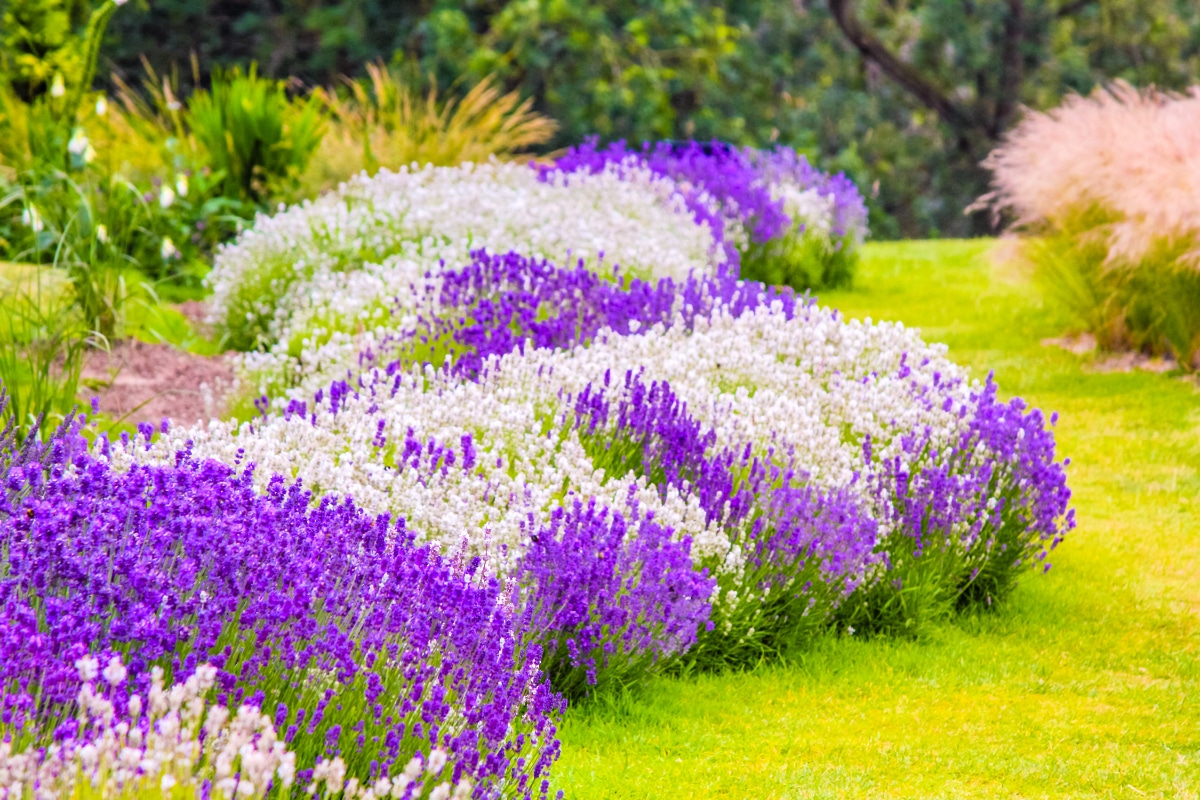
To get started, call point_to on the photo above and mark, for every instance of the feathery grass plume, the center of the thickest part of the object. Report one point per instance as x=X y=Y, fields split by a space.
x=1111 y=184
x=386 y=122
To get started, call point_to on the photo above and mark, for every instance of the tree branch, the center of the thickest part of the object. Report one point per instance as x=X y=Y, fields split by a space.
x=904 y=74
x=1012 y=68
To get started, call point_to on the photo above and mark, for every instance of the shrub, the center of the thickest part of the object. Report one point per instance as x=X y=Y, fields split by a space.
x=335 y=264
x=777 y=218
x=181 y=746
x=1106 y=183
x=805 y=474
x=323 y=269
x=549 y=441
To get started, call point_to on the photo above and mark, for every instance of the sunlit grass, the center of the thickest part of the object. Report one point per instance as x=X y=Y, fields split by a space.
x=1086 y=684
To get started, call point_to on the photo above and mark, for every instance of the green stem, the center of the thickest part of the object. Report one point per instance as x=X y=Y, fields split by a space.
x=91 y=53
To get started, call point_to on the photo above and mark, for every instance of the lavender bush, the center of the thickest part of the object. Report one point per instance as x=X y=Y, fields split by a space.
x=772 y=214
x=832 y=472
x=612 y=598
x=360 y=645
x=798 y=551
x=964 y=521
x=500 y=303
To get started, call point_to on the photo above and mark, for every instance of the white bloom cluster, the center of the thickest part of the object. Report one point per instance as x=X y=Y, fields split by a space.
x=240 y=754
x=803 y=391
x=808 y=207
x=339 y=262
x=408 y=784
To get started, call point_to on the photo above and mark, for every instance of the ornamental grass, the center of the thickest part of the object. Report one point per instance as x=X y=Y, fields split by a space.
x=1108 y=188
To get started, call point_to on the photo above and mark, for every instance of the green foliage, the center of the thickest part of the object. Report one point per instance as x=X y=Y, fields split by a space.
x=644 y=70
x=801 y=262
x=1151 y=305
x=43 y=40
x=29 y=133
x=254 y=135
x=748 y=72
x=42 y=346
x=83 y=187
x=47 y=64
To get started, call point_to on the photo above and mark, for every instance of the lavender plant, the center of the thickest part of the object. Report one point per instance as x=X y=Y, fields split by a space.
x=795 y=552
x=967 y=520
x=772 y=214
x=497 y=304
x=179 y=747
x=359 y=644
x=788 y=467
x=612 y=599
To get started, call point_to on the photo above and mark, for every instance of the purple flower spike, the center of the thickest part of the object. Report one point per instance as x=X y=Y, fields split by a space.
x=314 y=611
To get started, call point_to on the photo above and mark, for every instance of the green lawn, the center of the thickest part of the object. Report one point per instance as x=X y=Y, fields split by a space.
x=1085 y=684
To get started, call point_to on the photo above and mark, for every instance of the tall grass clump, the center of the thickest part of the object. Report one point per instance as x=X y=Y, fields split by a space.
x=1108 y=189
x=386 y=121
x=43 y=341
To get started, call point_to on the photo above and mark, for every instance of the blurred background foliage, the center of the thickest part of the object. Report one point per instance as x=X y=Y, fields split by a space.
x=906 y=96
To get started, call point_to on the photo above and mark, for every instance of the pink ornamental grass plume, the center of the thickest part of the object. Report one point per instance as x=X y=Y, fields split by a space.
x=1132 y=154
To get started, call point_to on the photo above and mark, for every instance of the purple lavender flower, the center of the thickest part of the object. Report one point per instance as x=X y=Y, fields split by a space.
x=796 y=552
x=783 y=164
x=305 y=610
x=499 y=302
x=611 y=597
x=704 y=173
x=969 y=520
x=719 y=182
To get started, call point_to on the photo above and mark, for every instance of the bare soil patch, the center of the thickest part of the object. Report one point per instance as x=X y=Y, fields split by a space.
x=1079 y=344
x=1085 y=343
x=145 y=382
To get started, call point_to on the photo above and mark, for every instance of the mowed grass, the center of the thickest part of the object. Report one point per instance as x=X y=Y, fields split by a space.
x=1086 y=683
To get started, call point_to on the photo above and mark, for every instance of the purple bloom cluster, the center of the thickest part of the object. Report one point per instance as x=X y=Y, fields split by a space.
x=611 y=596
x=500 y=302
x=997 y=499
x=803 y=550
x=783 y=164
x=362 y=644
x=602 y=593
x=719 y=182
x=704 y=173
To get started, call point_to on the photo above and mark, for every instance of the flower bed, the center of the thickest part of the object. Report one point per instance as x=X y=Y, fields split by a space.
x=791 y=225
x=354 y=264
x=362 y=647
x=581 y=451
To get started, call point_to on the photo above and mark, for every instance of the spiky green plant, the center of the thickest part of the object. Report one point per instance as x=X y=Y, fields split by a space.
x=254 y=134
